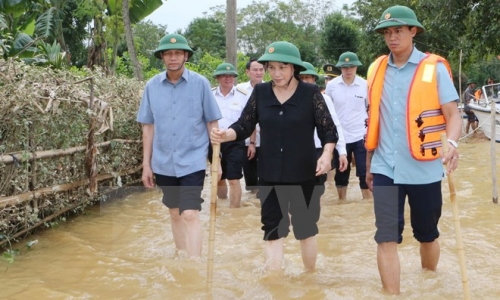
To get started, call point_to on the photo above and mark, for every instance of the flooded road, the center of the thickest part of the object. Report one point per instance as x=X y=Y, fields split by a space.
x=123 y=249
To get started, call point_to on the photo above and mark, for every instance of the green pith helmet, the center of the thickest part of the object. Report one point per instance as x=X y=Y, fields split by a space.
x=284 y=52
x=225 y=68
x=173 y=41
x=309 y=70
x=398 y=16
x=471 y=81
x=321 y=82
x=348 y=59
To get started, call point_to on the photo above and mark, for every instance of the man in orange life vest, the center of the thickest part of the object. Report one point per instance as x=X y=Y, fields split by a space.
x=403 y=141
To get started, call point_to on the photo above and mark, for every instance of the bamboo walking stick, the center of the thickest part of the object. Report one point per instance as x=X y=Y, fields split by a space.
x=213 y=210
x=456 y=222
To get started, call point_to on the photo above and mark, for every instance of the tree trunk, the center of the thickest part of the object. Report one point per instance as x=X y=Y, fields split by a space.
x=130 y=41
x=231 y=55
x=97 y=49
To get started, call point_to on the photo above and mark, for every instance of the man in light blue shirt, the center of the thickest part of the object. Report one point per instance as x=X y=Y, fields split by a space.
x=409 y=92
x=177 y=111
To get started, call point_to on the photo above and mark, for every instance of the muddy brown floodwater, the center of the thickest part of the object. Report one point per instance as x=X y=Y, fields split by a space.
x=123 y=249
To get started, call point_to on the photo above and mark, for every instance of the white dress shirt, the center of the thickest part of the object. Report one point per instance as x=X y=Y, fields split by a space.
x=350 y=104
x=247 y=86
x=340 y=146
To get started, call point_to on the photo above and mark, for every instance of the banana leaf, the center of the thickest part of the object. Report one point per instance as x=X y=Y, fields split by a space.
x=139 y=9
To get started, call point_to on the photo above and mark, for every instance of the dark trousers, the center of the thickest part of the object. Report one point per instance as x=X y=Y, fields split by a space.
x=250 y=171
x=359 y=151
x=425 y=201
x=300 y=200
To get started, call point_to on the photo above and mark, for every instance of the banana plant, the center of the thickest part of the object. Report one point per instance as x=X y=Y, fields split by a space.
x=23 y=23
x=138 y=11
x=50 y=55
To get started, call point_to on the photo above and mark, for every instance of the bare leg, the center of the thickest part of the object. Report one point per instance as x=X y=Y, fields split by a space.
x=366 y=194
x=193 y=235
x=467 y=127
x=274 y=254
x=309 y=251
x=429 y=255
x=342 y=192
x=234 y=193
x=178 y=229
x=330 y=175
x=222 y=189
x=389 y=267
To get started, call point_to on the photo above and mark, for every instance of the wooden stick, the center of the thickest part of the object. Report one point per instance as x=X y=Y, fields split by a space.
x=493 y=111
x=213 y=210
x=456 y=222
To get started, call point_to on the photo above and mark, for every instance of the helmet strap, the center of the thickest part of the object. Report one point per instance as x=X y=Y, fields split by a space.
x=288 y=83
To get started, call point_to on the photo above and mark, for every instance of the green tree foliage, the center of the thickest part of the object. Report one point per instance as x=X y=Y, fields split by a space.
x=340 y=34
x=32 y=30
x=372 y=44
x=207 y=35
x=50 y=55
x=108 y=28
x=85 y=29
x=124 y=67
x=485 y=17
x=146 y=37
x=77 y=17
x=206 y=66
x=452 y=27
x=19 y=27
x=298 y=22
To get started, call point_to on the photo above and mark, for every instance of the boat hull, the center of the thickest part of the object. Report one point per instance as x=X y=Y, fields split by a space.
x=483 y=114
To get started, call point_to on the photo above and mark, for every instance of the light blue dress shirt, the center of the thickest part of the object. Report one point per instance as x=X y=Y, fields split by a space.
x=392 y=156
x=180 y=113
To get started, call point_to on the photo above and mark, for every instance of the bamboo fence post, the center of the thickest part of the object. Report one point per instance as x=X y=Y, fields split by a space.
x=461 y=101
x=456 y=223
x=91 y=162
x=213 y=211
x=492 y=151
x=90 y=155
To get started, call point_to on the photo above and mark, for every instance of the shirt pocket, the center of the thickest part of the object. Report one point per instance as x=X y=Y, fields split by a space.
x=234 y=111
x=359 y=103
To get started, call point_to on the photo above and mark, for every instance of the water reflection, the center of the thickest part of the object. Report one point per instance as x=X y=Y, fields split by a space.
x=124 y=250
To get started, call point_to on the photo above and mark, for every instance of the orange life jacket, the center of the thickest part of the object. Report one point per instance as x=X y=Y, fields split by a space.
x=424 y=119
x=478 y=94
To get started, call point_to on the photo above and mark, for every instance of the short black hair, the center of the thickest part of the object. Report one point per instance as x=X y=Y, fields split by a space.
x=247 y=66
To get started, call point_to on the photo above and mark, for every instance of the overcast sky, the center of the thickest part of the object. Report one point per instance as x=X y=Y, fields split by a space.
x=177 y=14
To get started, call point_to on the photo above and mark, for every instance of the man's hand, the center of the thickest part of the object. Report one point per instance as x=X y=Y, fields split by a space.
x=343 y=163
x=251 y=151
x=147 y=177
x=369 y=181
